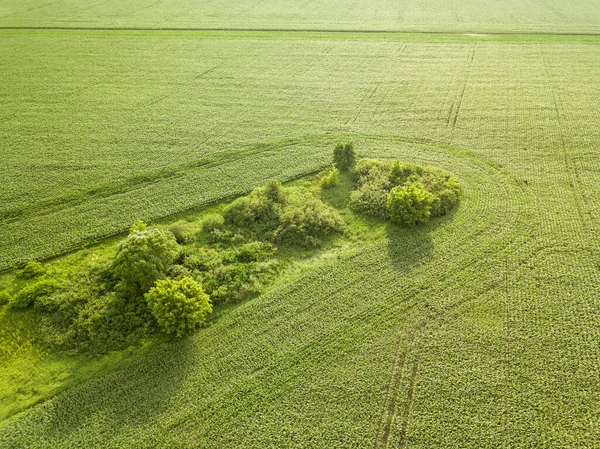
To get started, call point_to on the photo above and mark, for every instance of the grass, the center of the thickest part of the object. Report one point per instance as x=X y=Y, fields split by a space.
x=478 y=331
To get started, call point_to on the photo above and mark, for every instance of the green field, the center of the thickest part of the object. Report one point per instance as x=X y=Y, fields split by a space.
x=480 y=330
x=575 y=16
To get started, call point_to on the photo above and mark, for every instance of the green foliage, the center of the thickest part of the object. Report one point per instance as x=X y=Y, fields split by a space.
x=31 y=270
x=308 y=223
x=139 y=225
x=89 y=316
x=376 y=179
x=261 y=209
x=5 y=298
x=38 y=294
x=179 y=306
x=410 y=205
x=182 y=233
x=445 y=189
x=329 y=178
x=370 y=199
x=254 y=252
x=143 y=258
x=211 y=222
x=344 y=156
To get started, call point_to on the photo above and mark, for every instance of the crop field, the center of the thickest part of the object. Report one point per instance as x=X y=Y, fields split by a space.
x=478 y=330
x=575 y=16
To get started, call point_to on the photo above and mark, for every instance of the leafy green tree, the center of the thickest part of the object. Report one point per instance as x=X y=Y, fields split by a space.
x=179 y=306
x=143 y=258
x=409 y=205
x=344 y=156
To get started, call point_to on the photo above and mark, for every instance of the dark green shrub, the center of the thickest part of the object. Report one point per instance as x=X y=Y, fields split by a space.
x=370 y=199
x=30 y=271
x=142 y=258
x=182 y=233
x=401 y=174
x=344 y=156
x=202 y=260
x=409 y=205
x=445 y=189
x=179 y=306
x=212 y=222
x=254 y=252
x=307 y=223
x=5 y=298
x=38 y=294
x=261 y=208
x=371 y=171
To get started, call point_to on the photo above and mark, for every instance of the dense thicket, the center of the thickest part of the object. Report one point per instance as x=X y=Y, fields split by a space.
x=405 y=193
x=168 y=278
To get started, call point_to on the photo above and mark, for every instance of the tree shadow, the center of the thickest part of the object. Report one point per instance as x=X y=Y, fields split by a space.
x=411 y=246
x=135 y=395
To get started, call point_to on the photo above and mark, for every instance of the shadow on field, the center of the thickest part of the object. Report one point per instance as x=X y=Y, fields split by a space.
x=136 y=396
x=408 y=247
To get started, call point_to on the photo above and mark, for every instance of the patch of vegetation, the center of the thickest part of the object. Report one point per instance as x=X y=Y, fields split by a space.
x=404 y=193
x=179 y=306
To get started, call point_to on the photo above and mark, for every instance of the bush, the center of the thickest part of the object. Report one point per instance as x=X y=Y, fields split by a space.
x=31 y=270
x=446 y=190
x=254 y=252
x=344 y=156
x=401 y=174
x=212 y=222
x=261 y=208
x=5 y=298
x=329 y=178
x=142 y=258
x=37 y=294
x=370 y=199
x=178 y=306
x=372 y=171
x=183 y=235
x=305 y=224
x=409 y=205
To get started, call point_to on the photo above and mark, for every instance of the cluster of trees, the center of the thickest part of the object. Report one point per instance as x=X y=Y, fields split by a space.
x=403 y=193
x=170 y=279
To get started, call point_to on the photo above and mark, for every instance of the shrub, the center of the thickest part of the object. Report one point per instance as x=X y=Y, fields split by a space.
x=401 y=173
x=344 y=156
x=31 y=270
x=446 y=190
x=254 y=252
x=139 y=225
x=212 y=222
x=261 y=208
x=329 y=178
x=183 y=235
x=372 y=171
x=5 y=298
x=38 y=294
x=202 y=260
x=410 y=204
x=370 y=199
x=305 y=224
x=142 y=258
x=178 y=306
